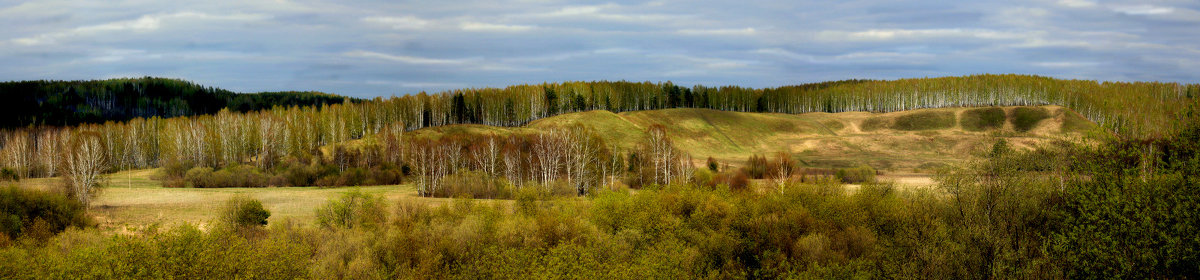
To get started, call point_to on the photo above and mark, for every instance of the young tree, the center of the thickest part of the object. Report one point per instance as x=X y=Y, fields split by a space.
x=83 y=161
x=18 y=153
x=659 y=149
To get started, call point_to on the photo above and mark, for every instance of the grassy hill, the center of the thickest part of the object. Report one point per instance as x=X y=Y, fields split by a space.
x=907 y=141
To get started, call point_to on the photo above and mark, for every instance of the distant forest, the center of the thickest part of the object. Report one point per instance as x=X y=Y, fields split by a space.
x=66 y=103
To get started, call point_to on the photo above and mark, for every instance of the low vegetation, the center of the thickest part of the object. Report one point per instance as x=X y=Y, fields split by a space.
x=1025 y=118
x=37 y=215
x=983 y=119
x=242 y=212
x=925 y=120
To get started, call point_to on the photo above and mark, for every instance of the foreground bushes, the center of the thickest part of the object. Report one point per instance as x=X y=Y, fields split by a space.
x=183 y=252
x=37 y=214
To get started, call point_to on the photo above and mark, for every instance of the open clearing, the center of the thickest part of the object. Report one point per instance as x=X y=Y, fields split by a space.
x=131 y=200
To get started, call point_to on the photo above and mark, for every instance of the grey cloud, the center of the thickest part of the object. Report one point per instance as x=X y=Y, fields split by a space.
x=380 y=48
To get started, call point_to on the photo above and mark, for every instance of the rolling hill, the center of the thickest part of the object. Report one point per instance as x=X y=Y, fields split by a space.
x=906 y=141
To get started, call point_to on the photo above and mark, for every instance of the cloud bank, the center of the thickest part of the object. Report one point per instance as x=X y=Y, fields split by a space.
x=369 y=48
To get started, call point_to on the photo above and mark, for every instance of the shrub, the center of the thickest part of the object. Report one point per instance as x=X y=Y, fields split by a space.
x=560 y=188
x=639 y=177
x=983 y=119
x=242 y=211
x=861 y=174
x=1001 y=148
x=238 y=176
x=736 y=180
x=474 y=184
x=756 y=167
x=352 y=177
x=353 y=209
x=199 y=177
x=29 y=211
x=875 y=123
x=8 y=174
x=924 y=121
x=385 y=175
x=1026 y=118
x=704 y=177
x=172 y=170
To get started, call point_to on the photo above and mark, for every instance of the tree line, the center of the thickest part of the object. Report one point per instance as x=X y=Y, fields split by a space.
x=67 y=103
x=265 y=138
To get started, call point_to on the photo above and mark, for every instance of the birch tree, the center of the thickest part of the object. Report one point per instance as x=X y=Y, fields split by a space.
x=83 y=162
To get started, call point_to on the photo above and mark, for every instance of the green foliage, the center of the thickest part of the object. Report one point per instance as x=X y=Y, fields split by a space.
x=353 y=209
x=856 y=175
x=38 y=214
x=1136 y=214
x=983 y=119
x=1026 y=118
x=924 y=121
x=243 y=211
x=8 y=174
x=1001 y=148
x=184 y=252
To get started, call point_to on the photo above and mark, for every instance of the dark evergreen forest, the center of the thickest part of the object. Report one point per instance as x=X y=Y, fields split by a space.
x=65 y=103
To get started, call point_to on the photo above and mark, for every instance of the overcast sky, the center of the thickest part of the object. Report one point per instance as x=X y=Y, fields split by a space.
x=363 y=48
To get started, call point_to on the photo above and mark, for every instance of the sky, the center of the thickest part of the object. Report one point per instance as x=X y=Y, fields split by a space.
x=385 y=48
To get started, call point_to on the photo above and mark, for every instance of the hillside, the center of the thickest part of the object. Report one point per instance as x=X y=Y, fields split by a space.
x=62 y=103
x=907 y=141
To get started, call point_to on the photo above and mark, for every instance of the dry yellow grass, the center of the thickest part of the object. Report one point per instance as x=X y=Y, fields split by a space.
x=130 y=199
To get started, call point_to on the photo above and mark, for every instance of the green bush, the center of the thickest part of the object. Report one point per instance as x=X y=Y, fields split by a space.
x=1026 y=118
x=183 y=252
x=924 y=121
x=242 y=211
x=353 y=209
x=983 y=119
x=39 y=214
x=8 y=174
x=856 y=175
x=199 y=177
